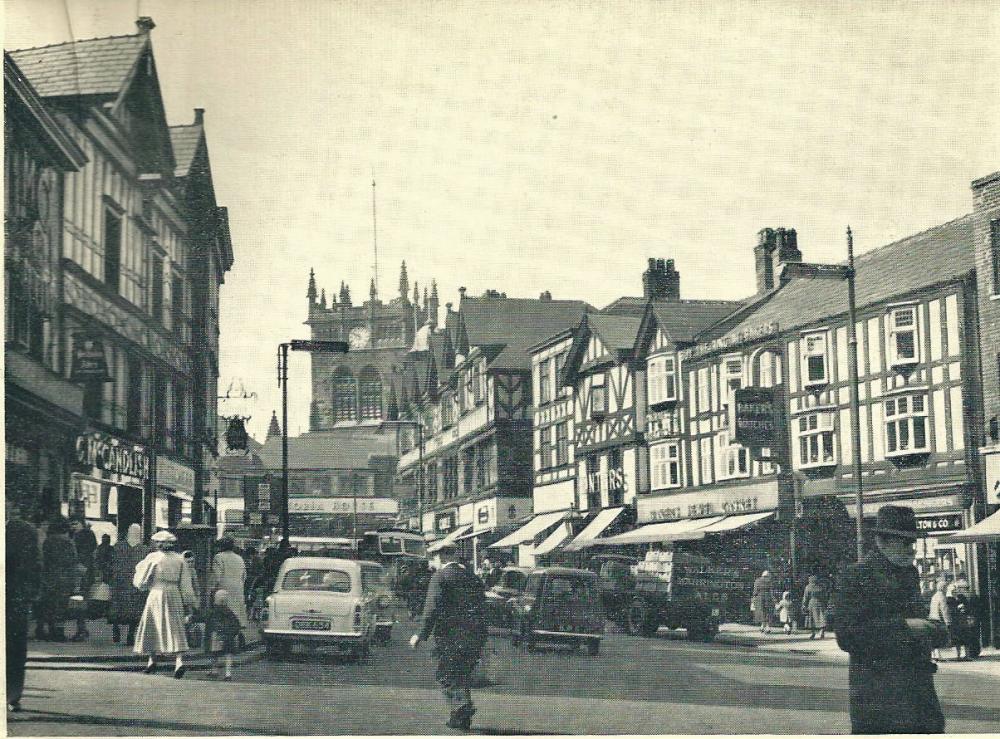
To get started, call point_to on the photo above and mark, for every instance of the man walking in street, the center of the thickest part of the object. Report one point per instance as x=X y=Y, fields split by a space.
x=455 y=613
x=22 y=575
x=878 y=621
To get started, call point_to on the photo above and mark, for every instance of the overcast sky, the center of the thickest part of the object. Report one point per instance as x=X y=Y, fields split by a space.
x=529 y=146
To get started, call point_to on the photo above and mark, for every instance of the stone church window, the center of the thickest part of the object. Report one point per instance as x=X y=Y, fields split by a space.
x=345 y=396
x=371 y=394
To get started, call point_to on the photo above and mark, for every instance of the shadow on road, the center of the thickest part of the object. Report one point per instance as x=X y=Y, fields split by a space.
x=52 y=717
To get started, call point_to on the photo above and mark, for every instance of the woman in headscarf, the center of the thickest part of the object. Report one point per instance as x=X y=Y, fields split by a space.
x=126 y=600
x=167 y=577
x=229 y=573
x=814 y=603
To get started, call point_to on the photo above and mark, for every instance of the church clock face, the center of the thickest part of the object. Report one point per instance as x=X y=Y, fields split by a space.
x=359 y=338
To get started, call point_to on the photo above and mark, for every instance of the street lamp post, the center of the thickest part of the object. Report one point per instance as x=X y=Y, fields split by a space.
x=802 y=270
x=296 y=345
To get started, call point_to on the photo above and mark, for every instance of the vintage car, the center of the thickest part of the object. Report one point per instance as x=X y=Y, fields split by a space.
x=509 y=585
x=319 y=601
x=562 y=605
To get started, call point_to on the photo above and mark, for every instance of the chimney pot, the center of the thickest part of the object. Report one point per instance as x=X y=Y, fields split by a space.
x=145 y=24
x=199 y=116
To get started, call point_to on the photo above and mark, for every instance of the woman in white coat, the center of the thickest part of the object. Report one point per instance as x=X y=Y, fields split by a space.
x=167 y=577
x=229 y=573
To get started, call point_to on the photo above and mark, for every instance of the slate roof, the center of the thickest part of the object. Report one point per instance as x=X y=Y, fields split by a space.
x=617 y=332
x=347 y=448
x=932 y=257
x=517 y=324
x=184 y=140
x=97 y=66
x=682 y=320
x=626 y=304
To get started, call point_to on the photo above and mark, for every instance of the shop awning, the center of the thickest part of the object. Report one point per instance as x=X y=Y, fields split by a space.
x=730 y=523
x=530 y=530
x=451 y=538
x=688 y=528
x=553 y=540
x=986 y=530
x=594 y=529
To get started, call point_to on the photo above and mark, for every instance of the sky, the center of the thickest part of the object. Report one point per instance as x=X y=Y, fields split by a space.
x=531 y=146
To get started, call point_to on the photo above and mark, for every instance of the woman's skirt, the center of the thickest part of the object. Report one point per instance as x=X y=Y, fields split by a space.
x=161 y=627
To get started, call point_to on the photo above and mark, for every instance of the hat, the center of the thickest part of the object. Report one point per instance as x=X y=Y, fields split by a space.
x=163 y=536
x=896 y=520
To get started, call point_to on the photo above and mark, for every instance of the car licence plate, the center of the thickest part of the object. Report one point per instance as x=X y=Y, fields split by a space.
x=310 y=624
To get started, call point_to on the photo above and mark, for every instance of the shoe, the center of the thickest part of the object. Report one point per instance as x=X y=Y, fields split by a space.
x=179 y=672
x=149 y=669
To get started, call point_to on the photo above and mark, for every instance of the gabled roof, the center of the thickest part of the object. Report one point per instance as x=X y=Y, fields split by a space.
x=184 y=140
x=942 y=254
x=347 y=448
x=626 y=304
x=616 y=332
x=99 y=66
x=682 y=320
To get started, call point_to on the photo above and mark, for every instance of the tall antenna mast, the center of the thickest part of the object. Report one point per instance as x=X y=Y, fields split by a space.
x=374 y=233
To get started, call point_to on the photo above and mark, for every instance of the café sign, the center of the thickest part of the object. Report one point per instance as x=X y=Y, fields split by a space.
x=109 y=454
x=721 y=502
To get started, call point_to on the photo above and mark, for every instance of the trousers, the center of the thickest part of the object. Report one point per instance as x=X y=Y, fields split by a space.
x=17 y=651
x=454 y=675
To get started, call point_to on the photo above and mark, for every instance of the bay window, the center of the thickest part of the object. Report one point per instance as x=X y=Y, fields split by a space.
x=732 y=460
x=815 y=433
x=665 y=463
x=906 y=425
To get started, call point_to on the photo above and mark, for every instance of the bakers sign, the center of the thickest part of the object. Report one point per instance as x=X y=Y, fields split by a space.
x=755 y=417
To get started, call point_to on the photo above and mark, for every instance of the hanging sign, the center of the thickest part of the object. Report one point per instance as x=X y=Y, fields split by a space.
x=89 y=363
x=755 y=421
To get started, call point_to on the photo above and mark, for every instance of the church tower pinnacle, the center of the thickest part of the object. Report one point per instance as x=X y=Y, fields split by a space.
x=404 y=283
x=311 y=292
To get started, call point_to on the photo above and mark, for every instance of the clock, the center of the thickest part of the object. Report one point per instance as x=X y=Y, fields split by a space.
x=359 y=338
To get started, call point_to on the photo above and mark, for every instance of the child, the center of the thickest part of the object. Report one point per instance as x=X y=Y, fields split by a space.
x=785 y=609
x=224 y=623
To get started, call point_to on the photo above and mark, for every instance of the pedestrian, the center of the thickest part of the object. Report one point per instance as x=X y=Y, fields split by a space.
x=964 y=608
x=22 y=573
x=189 y=559
x=166 y=577
x=879 y=624
x=103 y=558
x=455 y=614
x=59 y=580
x=941 y=612
x=127 y=601
x=763 y=601
x=814 y=605
x=785 y=609
x=222 y=623
x=229 y=573
x=85 y=543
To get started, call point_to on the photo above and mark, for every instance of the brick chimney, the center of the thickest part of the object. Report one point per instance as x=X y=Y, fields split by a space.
x=145 y=25
x=775 y=248
x=661 y=281
x=199 y=116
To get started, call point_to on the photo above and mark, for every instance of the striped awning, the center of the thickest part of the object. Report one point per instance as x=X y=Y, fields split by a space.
x=595 y=528
x=530 y=530
x=553 y=540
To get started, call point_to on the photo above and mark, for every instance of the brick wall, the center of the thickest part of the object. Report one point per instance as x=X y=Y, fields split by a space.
x=986 y=208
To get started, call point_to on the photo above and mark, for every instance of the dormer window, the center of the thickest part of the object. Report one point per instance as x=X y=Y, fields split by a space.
x=815 y=359
x=661 y=380
x=598 y=397
x=903 y=349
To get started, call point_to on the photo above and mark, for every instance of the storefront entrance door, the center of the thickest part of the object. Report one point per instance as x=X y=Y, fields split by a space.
x=129 y=509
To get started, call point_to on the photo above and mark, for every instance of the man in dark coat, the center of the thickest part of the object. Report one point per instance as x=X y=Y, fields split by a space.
x=455 y=613
x=879 y=622
x=85 y=543
x=22 y=575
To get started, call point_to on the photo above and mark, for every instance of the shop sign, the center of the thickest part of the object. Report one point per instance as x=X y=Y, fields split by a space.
x=754 y=333
x=483 y=515
x=16 y=454
x=724 y=502
x=755 y=421
x=107 y=453
x=89 y=362
x=343 y=505
x=616 y=480
x=992 y=477
x=939 y=523
x=170 y=474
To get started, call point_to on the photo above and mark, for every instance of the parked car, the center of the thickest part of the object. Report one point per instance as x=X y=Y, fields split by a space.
x=375 y=580
x=320 y=601
x=676 y=590
x=561 y=605
x=509 y=585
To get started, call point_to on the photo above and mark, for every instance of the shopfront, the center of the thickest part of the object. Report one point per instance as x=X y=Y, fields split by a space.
x=110 y=482
x=174 y=492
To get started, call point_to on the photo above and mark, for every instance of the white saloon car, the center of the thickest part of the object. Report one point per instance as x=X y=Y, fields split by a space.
x=321 y=601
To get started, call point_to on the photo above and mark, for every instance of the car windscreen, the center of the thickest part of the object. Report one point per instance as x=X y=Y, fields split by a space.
x=414 y=547
x=571 y=588
x=332 y=581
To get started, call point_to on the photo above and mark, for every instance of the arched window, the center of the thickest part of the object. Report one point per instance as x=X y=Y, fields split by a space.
x=370 y=385
x=768 y=369
x=345 y=396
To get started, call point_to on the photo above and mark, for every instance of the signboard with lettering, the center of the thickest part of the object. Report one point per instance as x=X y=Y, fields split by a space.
x=756 y=420
x=387 y=506
x=483 y=514
x=762 y=496
x=747 y=335
x=108 y=453
x=171 y=474
x=939 y=523
x=444 y=522
x=89 y=363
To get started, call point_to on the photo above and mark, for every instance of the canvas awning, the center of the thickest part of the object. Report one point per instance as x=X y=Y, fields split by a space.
x=553 y=540
x=451 y=538
x=594 y=529
x=986 y=530
x=731 y=523
x=688 y=528
x=530 y=530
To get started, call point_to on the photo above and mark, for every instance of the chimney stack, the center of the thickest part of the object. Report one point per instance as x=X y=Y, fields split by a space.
x=775 y=248
x=661 y=281
x=199 y=116
x=145 y=25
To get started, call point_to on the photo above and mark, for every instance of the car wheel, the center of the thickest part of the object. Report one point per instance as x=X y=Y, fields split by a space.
x=593 y=647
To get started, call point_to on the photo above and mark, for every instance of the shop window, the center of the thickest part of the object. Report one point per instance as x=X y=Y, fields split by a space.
x=370 y=394
x=662 y=380
x=815 y=433
x=344 y=396
x=733 y=460
x=815 y=359
x=665 y=463
x=903 y=341
x=906 y=426
x=593 y=482
x=598 y=396
x=544 y=381
x=562 y=443
x=112 y=248
x=545 y=447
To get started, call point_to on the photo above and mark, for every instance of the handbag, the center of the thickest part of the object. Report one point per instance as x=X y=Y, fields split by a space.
x=100 y=592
